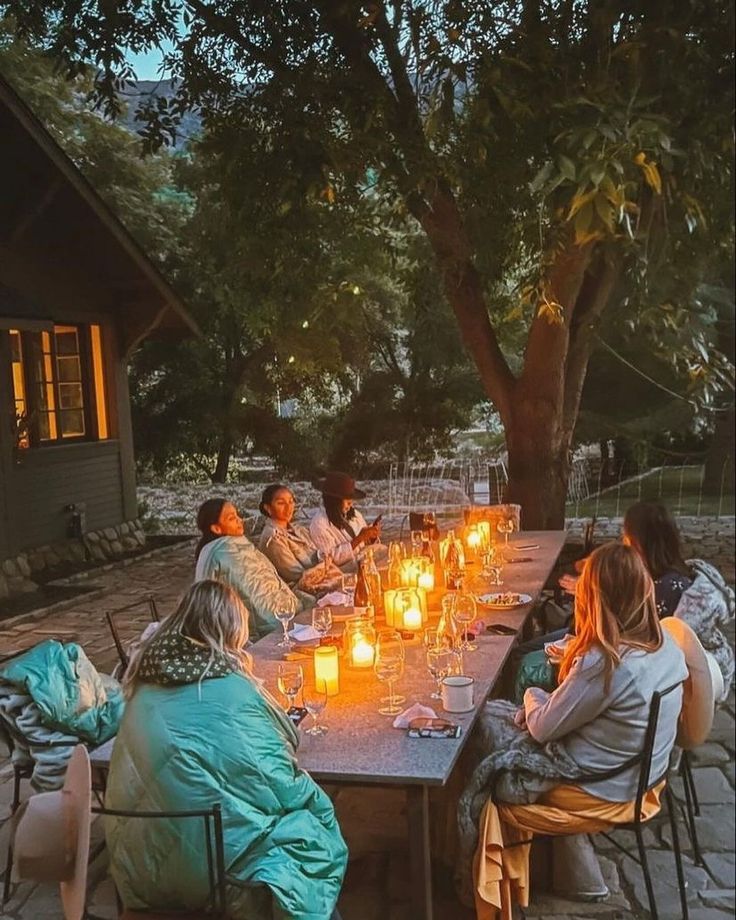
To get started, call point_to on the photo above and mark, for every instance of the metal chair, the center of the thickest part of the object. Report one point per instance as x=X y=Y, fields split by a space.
x=112 y=615
x=215 y=853
x=643 y=760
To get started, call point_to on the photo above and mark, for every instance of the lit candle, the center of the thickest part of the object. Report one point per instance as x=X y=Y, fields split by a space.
x=326 y=669
x=426 y=581
x=362 y=654
x=413 y=618
x=411 y=569
x=484 y=529
x=472 y=541
x=397 y=600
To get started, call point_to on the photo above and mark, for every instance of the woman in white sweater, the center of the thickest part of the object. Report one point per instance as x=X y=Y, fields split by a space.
x=595 y=720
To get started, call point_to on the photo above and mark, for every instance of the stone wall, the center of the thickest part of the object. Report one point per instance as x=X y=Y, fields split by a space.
x=20 y=574
x=708 y=538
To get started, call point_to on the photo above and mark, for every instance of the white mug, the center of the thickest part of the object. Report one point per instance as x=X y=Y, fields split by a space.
x=457 y=693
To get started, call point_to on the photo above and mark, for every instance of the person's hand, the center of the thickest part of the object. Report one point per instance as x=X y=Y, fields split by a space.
x=367 y=535
x=520 y=717
x=568 y=583
x=580 y=564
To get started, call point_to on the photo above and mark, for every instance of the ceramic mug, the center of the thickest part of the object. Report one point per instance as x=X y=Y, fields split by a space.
x=457 y=693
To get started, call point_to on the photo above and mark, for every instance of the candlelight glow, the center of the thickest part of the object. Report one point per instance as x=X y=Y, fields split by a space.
x=426 y=581
x=412 y=618
x=362 y=654
x=327 y=669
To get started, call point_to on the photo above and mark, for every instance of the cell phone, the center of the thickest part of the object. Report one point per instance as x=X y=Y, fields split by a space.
x=297 y=714
x=377 y=521
x=441 y=730
x=500 y=629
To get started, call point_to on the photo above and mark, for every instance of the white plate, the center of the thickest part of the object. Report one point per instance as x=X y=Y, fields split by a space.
x=493 y=600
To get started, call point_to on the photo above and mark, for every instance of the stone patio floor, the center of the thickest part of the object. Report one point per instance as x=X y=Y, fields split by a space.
x=376 y=887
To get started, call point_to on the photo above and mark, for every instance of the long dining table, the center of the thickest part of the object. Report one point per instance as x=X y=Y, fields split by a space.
x=362 y=748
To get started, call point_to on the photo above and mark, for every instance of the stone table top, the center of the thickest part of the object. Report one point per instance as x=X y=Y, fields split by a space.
x=361 y=745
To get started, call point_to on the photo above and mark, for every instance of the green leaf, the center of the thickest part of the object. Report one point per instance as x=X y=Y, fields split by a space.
x=541 y=177
x=567 y=167
x=583 y=220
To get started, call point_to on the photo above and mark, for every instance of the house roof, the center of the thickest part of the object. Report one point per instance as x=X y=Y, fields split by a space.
x=38 y=178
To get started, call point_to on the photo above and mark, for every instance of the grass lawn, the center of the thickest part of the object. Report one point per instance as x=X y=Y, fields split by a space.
x=677 y=487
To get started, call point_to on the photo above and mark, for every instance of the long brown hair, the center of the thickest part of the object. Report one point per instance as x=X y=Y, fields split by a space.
x=208 y=514
x=652 y=531
x=614 y=607
x=211 y=614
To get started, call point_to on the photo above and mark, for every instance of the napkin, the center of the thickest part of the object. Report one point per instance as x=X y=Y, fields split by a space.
x=304 y=633
x=335 y=599
x=417 y=711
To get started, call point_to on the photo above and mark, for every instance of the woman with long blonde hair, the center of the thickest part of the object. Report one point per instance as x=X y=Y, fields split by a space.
x=593 y=722
x=199 y=729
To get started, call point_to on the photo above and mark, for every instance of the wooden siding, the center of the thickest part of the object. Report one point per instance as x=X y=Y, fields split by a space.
x=51 y=478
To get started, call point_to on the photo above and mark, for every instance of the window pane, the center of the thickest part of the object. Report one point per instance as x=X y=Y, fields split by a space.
x=69 y=377
x=22 y=438
x=70 y=396
x=44 y=376
x=72 y=422
x=100 y=395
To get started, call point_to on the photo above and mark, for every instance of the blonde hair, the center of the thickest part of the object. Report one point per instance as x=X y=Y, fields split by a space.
x=614 y=607
x=212 y=615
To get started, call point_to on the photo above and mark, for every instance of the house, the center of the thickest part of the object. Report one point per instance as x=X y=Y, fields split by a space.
x=77 y=295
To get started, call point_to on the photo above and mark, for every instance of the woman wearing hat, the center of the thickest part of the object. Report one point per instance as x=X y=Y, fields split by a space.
x=199 y=728
x=290 y=547
x=338 y=528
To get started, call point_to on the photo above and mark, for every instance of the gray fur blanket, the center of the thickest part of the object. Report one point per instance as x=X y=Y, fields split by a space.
x=517 y=770
x=707 y=607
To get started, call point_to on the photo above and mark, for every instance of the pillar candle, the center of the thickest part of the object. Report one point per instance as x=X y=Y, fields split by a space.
x=362 y=654
x=326 y=669
x=413 y=619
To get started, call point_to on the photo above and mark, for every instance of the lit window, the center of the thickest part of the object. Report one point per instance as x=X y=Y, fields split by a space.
x=22 y=438
x=99 y=376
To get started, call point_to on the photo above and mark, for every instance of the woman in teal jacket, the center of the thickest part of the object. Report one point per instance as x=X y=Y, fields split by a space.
x=199 y=729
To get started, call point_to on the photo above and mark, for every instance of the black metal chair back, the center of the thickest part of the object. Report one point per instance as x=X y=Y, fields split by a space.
x=113 y=615
x=214 y=847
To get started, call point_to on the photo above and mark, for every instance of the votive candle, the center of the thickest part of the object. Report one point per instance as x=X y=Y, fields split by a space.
x=327 y=669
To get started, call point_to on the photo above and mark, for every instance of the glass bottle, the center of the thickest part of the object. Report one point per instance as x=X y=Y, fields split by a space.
x=453 y=564
x=362 y=597
x=373 y=581
x=394 y=565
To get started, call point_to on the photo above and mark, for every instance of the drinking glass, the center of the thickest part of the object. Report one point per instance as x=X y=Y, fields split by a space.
x=492 y=567
x=315 y=700
x=291 y=680
x=465 y=612
x=430 y=637
x=438 y=663
x=285 y=617
x=388 y=665
x=416 y=542
x=322 y=620
x=349 y=582
x=396 y=550
x=506 y=527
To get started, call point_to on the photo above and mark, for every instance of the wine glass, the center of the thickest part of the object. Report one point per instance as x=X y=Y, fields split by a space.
x=465 y=612
x=438 y=664
x=349 y=581
x=492 y=567
x=291 y=680
x=416 y=542
x=430 y=637
x=315 y=700
x=285 y=617
x=322 y=620
x=388 y=665
x=506 y=527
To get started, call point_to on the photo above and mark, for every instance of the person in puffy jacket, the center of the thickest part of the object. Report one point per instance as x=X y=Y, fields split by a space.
x=200 y=729
x=226 y=554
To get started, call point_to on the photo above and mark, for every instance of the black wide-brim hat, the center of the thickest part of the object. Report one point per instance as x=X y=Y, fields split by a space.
x=338 y=485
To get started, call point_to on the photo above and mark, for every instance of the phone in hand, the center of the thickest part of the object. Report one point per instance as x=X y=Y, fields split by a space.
x=377 y=521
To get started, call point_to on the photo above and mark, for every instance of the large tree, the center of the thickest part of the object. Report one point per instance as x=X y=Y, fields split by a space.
x=575 y=147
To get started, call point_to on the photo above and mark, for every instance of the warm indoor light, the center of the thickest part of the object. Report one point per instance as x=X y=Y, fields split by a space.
x=413 y=618
x=426 y=581
x=362 y=654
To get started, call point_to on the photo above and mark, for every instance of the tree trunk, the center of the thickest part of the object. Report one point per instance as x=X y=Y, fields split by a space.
x=224 y=453
x=539 y=466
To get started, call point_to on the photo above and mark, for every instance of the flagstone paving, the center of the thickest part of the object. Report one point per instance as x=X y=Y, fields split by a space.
x=377 y=883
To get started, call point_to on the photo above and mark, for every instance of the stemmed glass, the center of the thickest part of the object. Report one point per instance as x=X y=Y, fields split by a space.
x=285 y=617
x=506 y=527
x=322 y=620
x=349 y=582
x=291 y=680
x=438 y=665
x=388 y=665
x=492 y=567
x=416 y=542
x=315 y=700
x=465 y=612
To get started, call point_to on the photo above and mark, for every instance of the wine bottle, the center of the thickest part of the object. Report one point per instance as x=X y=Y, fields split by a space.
x=373 y=582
